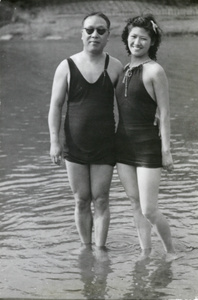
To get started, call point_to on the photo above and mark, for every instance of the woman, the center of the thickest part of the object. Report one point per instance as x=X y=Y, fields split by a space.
x=142 y=147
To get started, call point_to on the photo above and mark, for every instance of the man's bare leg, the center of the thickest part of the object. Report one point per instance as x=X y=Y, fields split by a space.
x=79 y=180
x=101 y=176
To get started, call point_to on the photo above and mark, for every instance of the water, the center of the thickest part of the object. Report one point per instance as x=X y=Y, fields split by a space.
x=39 y=244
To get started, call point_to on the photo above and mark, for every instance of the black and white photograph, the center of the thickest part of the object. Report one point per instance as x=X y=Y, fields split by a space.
x=98 y=150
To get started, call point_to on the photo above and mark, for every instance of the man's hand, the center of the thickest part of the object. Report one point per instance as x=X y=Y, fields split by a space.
x=56 y=153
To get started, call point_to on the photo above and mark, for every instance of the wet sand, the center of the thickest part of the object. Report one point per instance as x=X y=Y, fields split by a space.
x=64 y=21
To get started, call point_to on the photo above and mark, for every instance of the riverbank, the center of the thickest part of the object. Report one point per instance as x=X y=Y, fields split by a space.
x=63 y=21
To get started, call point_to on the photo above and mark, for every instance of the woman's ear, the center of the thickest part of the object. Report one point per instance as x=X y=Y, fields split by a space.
x=152 y=41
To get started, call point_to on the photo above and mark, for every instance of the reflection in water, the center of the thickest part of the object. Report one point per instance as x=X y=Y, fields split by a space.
x=38 y=238
x=148 y=278
x=94 y=270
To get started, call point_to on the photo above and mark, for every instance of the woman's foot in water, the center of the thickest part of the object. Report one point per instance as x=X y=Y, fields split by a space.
x=145 y=253
x=171 y=256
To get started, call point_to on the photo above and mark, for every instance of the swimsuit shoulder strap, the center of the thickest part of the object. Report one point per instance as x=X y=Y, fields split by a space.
x=106 y=62
x=72 y=68
x=70 y=62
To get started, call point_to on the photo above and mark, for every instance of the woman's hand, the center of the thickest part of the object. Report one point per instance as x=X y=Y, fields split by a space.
x=167 y=161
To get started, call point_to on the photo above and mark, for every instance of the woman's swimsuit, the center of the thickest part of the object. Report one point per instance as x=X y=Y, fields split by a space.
x=137 y=140
x=89 y=122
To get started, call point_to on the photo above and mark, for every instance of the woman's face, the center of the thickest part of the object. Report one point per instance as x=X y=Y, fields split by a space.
x=139 y=42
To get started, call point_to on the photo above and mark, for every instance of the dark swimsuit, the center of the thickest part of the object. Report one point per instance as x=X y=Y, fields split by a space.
x=89 y=122
x=137 y=139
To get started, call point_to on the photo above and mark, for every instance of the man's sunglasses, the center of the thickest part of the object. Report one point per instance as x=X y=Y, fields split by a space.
x=100 y=31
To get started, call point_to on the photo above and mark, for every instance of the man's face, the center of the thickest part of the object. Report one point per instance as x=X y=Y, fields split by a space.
x=95 y=34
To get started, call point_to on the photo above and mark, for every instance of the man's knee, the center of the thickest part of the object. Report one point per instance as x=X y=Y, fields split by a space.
x=136 y=206
x=82 y=202
x=135 y=202
x=101 y=202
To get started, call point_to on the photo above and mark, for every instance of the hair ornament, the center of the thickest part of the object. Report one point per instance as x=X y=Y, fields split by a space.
x=154 y=26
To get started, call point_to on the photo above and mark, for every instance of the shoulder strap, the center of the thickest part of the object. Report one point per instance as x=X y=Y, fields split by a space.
x=106 y=62
x=105 y=67
x=70 y=61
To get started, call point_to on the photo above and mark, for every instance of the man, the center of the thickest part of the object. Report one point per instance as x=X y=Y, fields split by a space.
x=87 y=80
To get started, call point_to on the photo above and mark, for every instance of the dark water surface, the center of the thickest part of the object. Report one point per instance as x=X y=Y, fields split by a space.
x=39 y=244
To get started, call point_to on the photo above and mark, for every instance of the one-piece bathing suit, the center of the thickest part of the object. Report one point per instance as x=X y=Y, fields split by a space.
x=89 y=123
x=137 y=140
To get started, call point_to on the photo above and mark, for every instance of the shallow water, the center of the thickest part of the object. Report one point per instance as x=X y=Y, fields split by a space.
x=40 y=254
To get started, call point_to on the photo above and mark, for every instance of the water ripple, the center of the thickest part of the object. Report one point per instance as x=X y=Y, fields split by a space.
x=39 y=244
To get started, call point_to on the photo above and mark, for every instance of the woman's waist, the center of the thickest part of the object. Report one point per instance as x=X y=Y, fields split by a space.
x=137 y=125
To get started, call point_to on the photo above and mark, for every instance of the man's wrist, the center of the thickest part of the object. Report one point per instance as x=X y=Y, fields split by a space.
x=54 y=141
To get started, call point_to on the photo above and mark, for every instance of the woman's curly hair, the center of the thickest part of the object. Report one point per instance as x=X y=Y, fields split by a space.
x=149 y=24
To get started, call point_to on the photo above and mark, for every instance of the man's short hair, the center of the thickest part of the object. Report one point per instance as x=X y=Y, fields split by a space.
x=99 y=14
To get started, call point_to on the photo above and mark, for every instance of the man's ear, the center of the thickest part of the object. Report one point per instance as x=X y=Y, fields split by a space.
x=108 y=35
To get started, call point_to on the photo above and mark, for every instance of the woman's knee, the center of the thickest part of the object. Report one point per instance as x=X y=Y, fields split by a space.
x=150 y=214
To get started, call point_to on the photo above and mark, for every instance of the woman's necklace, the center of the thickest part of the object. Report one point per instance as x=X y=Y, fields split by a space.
x=128 y=75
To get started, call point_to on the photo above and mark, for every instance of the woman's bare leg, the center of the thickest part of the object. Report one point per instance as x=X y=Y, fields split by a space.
x=128 y=177
x=148 y=182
